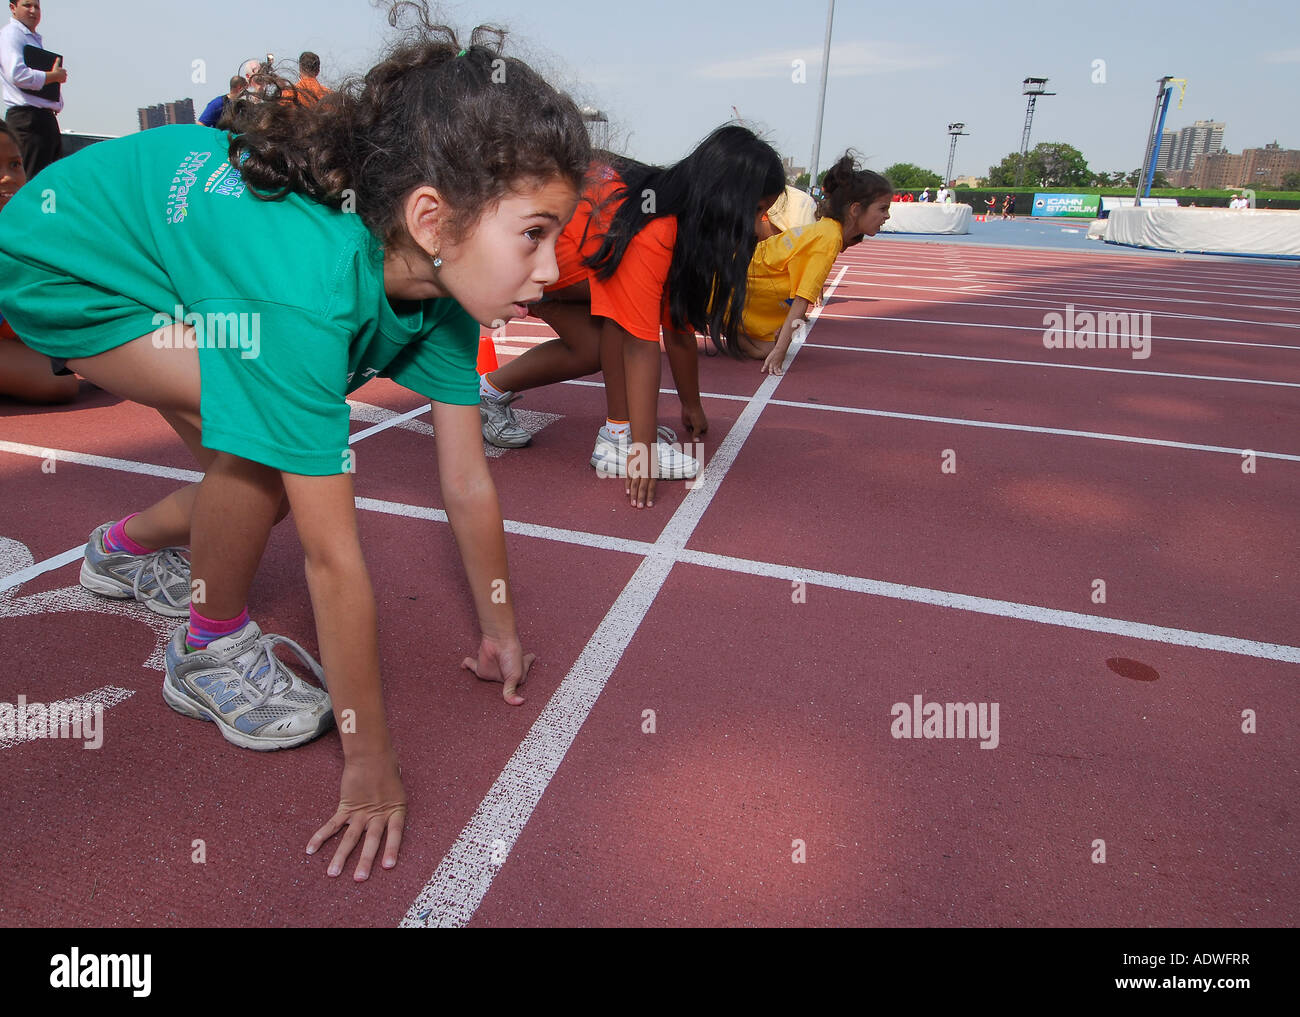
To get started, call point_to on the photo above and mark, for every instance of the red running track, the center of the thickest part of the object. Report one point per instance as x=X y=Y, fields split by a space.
x=827 y=569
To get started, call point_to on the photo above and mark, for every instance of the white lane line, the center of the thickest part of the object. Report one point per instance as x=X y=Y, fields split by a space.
x=600 y=541
x=69 y=711
x=668 y=391
x=943 y=272
x=465 y=875
x=1034 y=429
x=16 y=579
x=1001 y=608
x=1075 y=295
x=1039 y=329
x=384 y=425
x=1062 y=367
x=103 y=462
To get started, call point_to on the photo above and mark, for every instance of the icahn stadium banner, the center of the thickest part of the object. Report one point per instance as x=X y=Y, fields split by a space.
x=1075 y=205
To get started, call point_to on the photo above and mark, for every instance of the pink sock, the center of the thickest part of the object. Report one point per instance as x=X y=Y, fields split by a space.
x=117 y=540
x=203 y=631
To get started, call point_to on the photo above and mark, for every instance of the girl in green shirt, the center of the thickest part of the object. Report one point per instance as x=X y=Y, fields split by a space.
x=407 y=209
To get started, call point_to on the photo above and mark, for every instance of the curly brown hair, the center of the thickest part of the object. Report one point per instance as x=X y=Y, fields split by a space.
x=467 y=121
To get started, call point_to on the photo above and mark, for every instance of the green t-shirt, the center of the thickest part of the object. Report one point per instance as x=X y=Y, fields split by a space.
x=285 y=298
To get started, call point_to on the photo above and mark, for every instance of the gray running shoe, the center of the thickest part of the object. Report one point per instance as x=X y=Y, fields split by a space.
x=239 y=683
x=159 y=580
x=500 y=428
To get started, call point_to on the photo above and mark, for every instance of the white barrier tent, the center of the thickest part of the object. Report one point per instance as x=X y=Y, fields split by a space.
x=928 y=217
x=1254 y=232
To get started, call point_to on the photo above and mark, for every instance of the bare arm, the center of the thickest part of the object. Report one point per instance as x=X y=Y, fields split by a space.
x=798 y=314
x=371 y=800
x=684 y=361
x=475 y=517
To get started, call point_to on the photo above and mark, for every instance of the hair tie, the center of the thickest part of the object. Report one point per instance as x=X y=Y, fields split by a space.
x=461 y=53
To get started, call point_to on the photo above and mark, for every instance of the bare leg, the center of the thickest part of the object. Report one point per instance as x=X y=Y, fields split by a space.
x=167 y=379
x=232 y=511
x=575 y=354
x=26 y=375
x=753 y=350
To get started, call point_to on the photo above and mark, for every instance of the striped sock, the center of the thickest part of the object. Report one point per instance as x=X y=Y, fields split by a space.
x=117 y=540
x=203 y=631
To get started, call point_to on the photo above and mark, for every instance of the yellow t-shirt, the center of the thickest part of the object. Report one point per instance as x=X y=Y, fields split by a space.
x=791 y=264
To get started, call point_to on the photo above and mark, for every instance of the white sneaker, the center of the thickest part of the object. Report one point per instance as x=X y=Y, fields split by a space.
x=610 y=456
x=237 y=681
x=500 y=428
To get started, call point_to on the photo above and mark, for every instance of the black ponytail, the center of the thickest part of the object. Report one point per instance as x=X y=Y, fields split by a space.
x=714 y=193
x=845 y=184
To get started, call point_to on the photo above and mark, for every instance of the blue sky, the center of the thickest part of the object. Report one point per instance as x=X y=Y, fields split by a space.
x=667 y=77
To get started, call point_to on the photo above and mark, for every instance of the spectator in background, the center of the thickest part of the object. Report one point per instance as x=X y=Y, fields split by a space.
x=944 y=196
x=991 y=203
x=310 y=91
x=908 y=196
x=24 y=373
x=32 y=117
x=1009 y=207
x=220 y=106
x=925 y=195
x=250 y=71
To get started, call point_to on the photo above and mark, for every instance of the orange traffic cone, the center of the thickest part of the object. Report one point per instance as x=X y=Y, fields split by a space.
x=487 y=355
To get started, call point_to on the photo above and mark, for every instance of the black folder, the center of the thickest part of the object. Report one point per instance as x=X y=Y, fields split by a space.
x=42 y=60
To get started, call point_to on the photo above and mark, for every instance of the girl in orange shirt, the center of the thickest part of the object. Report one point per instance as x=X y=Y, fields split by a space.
x=647 y=247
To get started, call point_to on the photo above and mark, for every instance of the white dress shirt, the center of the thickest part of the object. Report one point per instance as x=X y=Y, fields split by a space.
x=15 y=75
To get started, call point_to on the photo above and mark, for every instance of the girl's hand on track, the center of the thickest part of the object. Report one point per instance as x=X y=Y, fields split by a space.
x=694 y=421
x=772 y=365
x=371 y=802
x=502 y=661
x=640 y=490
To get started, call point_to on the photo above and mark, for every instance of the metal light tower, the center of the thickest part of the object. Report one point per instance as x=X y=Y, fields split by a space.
x=1032 y=87
x=1164 y=89
x=956 y=131
x=821 y=100
x=597 y=127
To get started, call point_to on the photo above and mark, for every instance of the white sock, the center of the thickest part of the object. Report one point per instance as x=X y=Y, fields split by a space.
x=486 y=388
x=618 y=428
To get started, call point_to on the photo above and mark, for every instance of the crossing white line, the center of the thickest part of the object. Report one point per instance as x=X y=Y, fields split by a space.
x=465 y=875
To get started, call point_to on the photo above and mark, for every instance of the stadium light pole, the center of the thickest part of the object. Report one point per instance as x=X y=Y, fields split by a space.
x=1164 y=90
x=1032 y=87
x=821 y=99
x=957 y=131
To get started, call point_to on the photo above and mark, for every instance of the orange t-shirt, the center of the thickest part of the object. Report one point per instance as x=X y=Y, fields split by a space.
x=309 y=92
x=635 y=296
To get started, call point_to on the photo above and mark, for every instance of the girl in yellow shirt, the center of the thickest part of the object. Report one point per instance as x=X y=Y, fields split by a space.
x=787 y=271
